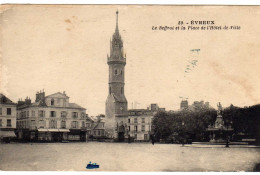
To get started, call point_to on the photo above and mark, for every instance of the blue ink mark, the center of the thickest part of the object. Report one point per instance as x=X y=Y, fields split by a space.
x=92 y=165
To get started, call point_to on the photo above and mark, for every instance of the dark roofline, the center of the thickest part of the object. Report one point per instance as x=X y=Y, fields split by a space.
x=57 y=93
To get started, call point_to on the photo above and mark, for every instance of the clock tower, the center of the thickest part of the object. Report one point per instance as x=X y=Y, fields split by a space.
x=116 y=103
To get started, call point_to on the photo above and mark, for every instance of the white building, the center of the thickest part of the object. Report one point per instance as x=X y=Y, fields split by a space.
x=7 y=118
x=51 y=118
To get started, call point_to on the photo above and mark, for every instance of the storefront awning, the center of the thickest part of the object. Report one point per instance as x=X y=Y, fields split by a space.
x=53 y=130
x=7 y=134
x=64 y=130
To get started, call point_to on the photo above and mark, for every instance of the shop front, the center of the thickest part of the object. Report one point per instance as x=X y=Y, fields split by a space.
x=77 y=135
x=53 y=135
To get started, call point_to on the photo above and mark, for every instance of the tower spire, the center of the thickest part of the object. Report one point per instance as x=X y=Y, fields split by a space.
x=117 y=20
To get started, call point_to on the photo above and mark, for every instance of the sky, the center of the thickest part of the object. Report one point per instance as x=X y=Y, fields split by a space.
x=64 y=48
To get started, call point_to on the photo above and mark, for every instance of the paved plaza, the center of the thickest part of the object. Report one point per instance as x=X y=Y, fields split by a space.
x=125 y=157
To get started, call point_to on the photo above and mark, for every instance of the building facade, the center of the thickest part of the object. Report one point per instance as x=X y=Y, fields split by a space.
x=184 y=105
x=51 y=118
x=7 y=118
x=116 y=103
x=95 y=127
x=139 y=124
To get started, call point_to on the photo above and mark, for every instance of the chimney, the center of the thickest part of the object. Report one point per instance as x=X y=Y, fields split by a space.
x=40 y=96
x=20 y=102
x=27 y=101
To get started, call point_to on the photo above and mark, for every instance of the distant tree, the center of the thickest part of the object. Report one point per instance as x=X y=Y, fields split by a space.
x=245 y=120
x=183 y=125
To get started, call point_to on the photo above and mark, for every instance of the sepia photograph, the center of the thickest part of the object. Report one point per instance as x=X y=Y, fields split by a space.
x=129 y=88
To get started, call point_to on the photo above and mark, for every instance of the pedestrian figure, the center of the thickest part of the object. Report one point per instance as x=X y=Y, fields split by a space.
x=227 y=144
x=152 y=137
x=129 y=138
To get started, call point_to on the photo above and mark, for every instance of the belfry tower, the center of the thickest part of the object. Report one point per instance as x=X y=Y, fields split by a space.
x=116 y=103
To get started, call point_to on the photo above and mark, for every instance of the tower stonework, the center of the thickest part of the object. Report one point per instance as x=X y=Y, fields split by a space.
x=116 y=103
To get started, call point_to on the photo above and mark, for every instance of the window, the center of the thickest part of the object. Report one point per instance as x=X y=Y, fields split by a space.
x=33 y=113
x=9 y=123
x=143 y=127
x=74 y=124
x=53 y=124
x=143 y=120
x=33 y=124
x=82 y=115
x=116 y=72
x=135 y=128
x=83 y=124
x=135 y=120
x=95 y=133
x=63 y=114
x=129 y=128
x=0 y=111
x=52 y=102
x=9 y=111
x=74 y=114
x=27 y=113
x=41 y=113
x=135 y=136
x=0 y=122
x=98 y=132
x=121 y=72
x=41 y=123
x=63 y=124
x=129 y=120
x=145 y=137
x=53 y=114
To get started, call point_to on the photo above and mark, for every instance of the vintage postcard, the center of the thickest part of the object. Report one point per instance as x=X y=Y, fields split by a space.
x=137 y=88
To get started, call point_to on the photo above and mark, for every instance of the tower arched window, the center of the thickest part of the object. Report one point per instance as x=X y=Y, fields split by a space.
x=52 y=102
x=121 y=72
x=116 y=72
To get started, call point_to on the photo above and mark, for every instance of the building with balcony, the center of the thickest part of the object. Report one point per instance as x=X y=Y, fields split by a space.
x=7 y=118
x=51 y=118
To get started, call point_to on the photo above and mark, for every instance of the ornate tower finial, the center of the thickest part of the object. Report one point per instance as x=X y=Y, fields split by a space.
x=117 y=20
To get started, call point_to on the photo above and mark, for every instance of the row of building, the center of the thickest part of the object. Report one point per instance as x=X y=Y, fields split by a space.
x=53 y=118
x=196 y=106
x=49 y=118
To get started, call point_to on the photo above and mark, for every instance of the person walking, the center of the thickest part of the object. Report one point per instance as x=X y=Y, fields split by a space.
x=152 y=137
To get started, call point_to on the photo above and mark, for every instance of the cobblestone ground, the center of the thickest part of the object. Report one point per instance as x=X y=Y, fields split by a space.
x=125 y=157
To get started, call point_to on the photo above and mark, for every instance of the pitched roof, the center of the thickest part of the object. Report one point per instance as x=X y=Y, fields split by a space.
x=74 y=105
x=88 y=118
x=58 y=94
x=120 y=98
x=99 y=125
x=5 y=100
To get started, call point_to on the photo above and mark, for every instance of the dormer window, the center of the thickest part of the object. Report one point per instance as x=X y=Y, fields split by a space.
x=52 y=102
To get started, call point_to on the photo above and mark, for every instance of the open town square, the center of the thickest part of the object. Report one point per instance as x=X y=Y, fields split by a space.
x=73 y=100
x=126 y=157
